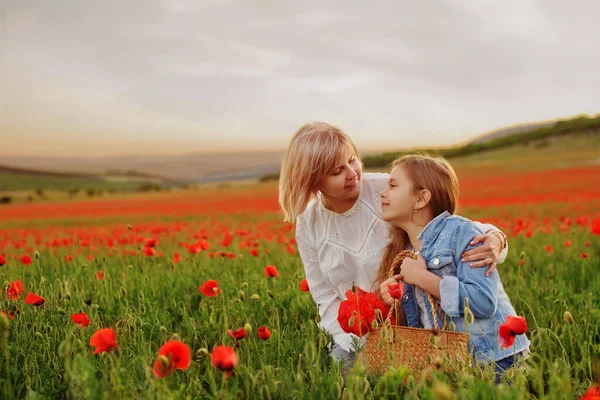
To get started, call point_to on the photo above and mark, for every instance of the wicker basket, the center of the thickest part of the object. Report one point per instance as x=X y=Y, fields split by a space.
x=392 y=345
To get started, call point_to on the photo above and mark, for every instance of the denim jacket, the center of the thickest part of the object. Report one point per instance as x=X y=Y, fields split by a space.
x=443 y=241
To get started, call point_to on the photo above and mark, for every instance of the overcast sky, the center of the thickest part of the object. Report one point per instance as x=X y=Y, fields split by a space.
x=95 y=78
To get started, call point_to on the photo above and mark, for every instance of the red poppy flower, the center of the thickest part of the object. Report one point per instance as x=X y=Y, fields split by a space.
x=271 y=271
x=508 y=330
x=585 y=256
x=100 y=275
x=264 y=333
x=568 y=243
x=396 y=290
x=176 y=258
x=596 y=226
x=69 y=257
x=176 y=355
x=224 y=359
x=291 y=249
x=150 y=243
x=254 y=253
x=34 y=299
x=357 y=313
x=149 y=251
x=210 y=288
x=593 y=393
x=26 y=260
x=14 y=290
x=304 y=285
x=103 y=340
x=81 y=319
x=11 y=313
x=238 y=334
x=549 y=249
x=2 y=260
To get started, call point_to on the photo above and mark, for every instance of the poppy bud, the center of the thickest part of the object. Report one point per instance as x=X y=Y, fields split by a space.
x=3 y=322
x=374 y=324
x=452 y=326
x=83 y=265
x=244 y=285
x=438 y=362
x=175 y=337
x=39 y=336
x=36 y=255
x=129 y=227
x=248 y=329
x=68 y=295
x=164 y=362
x=568 y=317
x=242 y=295
x=130 y=266
x=442 y=391
x=163 y=329
x=353 y=288
x=88 y=301
x=351 y=321
x=255 y=297
x=469 y=317
x=123 y=291
x=201 y=354
x=271 y=295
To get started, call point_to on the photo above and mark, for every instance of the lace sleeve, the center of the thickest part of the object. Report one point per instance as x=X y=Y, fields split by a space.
x=322 y=293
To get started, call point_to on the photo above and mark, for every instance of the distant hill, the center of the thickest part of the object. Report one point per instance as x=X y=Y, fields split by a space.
x=190 y=167
x=499 y=133
x=505 y=138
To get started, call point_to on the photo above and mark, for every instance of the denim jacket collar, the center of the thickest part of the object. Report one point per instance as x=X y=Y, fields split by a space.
x=432 y=230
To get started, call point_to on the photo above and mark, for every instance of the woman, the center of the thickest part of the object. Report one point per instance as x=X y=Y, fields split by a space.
x=340 y=234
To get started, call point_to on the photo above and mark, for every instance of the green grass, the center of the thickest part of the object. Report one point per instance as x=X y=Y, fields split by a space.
x=31 y=182
x=147 y=300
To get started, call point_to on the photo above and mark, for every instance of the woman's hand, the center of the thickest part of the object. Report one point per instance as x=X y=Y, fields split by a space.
x=485 y=254
x=384 y=293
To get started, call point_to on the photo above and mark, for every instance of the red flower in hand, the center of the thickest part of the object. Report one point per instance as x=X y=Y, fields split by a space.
x=81 y=319
x=171 y=356
x=237 y=334
x=396 y=290
x=508 y=330
x=357 y=313
x=264 y=333
x=224 y=359
x=34 y=299
x=103 y=340
x=210 y=288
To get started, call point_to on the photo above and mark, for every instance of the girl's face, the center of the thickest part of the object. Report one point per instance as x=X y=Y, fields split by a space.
x=343 y=182
x=398 y=199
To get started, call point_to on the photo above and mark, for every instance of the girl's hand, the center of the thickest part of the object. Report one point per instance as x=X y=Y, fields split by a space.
x=412 y=270
x=384 y=293
x=486 y=254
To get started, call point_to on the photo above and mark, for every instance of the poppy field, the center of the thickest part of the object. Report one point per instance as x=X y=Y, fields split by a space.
x=201 y=295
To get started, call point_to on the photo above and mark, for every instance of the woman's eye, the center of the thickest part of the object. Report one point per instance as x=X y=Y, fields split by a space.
x=336 y=172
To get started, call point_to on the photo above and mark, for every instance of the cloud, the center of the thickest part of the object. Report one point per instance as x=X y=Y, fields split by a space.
x=187 y=73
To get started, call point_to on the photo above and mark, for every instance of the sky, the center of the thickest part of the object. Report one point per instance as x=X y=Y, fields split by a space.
x=98 y=78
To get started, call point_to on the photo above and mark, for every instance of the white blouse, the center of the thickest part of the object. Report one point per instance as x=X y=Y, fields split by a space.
x=338 y=249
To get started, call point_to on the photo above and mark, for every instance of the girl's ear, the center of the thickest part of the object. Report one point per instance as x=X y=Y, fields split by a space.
x=423 y=199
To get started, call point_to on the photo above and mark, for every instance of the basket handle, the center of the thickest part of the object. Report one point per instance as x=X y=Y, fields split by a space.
x=435 y=306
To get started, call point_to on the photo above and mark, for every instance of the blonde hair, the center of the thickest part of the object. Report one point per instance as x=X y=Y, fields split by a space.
x=313 y=152
x=434 y=174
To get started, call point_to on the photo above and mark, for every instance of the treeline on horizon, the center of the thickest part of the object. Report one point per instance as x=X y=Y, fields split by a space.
x=578 y=125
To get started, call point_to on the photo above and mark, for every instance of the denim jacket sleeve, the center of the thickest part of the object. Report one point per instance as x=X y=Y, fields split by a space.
x=468 y=282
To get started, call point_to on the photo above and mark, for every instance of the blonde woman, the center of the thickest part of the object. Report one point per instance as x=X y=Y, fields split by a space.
x=340 y=234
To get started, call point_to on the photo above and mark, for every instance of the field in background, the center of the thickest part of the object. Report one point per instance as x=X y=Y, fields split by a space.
x=90 y=256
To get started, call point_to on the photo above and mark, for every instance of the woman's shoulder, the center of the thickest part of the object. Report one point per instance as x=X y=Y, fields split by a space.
x=374 y=182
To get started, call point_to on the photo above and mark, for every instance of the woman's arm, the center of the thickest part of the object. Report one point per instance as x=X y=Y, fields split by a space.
x=493 y=251
x=324 y=296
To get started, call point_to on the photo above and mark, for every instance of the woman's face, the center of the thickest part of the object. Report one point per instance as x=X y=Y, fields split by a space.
x=398 y=198
x=343 y=182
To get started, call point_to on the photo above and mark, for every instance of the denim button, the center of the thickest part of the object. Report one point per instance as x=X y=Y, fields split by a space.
x=436 y=261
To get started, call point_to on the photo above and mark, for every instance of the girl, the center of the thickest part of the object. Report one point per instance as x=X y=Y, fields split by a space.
x=340 y=234
x=419 y=201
